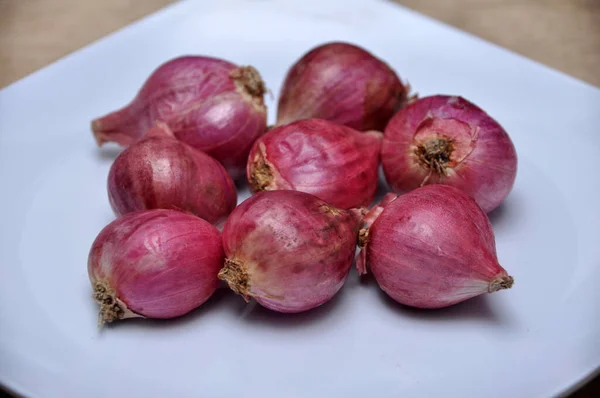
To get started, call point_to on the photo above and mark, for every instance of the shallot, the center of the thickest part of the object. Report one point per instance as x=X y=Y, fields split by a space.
x=432 y=248
x=333 y=162
x=448 y=140
x=342 y=83
x=154 y=264
x=210 y=104
x=160 y=172
x=288 y=250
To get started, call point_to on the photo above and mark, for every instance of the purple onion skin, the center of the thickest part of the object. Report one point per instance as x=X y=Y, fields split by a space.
x=210 y=104
x=448 y=140
x=342 y=83
x=333 y=162
x=154 y=264
x=288 y=250
x=161 y=172
x=431 y=248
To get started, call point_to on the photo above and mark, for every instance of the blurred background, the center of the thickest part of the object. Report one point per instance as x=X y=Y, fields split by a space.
x=563 y=34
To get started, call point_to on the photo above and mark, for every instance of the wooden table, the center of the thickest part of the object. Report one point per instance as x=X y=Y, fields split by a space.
x=564 y=34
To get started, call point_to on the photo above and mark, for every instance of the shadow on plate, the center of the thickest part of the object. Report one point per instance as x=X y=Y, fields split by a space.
x=107 y=152
x=254 y=313
x=477 y=308
x=241 y=184
x=499 y=214
x=215 y=301
x=508 y=213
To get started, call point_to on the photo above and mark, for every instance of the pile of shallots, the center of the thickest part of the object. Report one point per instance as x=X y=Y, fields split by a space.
x=198 y=126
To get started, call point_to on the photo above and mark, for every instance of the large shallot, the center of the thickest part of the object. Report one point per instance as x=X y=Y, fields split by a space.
x=210 y=104
x=449 y=140
x=333 y=162
x=288 y=250
x=343 y=83
x=431 y=248
x=154 y=264
x=161 y=172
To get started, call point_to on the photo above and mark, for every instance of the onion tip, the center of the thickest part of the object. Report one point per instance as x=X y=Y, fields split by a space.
x=500 y=283
x=108 y=129
x=97 y=132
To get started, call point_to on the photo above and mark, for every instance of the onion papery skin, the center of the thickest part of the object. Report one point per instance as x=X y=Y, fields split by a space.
x=342 y=83
x=432 y=248
x=161 y=172
x=210 y=104
x=448 y=140
x=333 y=162
x=288 y=250
x=154 y=264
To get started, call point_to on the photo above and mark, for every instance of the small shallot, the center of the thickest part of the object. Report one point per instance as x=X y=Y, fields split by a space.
x=449 y=140
x=210 y=104
x=343 y=83
x=431 y=248
x=154 y=264
x=288 y=250
x=333 y=162
x=161 y=172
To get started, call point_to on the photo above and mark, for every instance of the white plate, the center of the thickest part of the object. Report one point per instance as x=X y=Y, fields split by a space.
x=536 y=340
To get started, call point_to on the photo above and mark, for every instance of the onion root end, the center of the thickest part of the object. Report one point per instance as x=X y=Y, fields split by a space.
x=248 y=81
x=234 y=273
x=111 y=308
x=434 y=155
x=261 y=178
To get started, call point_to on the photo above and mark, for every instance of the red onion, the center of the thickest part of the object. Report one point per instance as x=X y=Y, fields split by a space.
x=342 y=83
x=432 y=248
x=210 y=104
x=289 y=250
x=160 y=172
x=154 y=264
x=449 y=140
x=333 y=162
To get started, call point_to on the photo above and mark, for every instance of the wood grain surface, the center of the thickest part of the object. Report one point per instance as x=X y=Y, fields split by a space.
x=564 y=34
